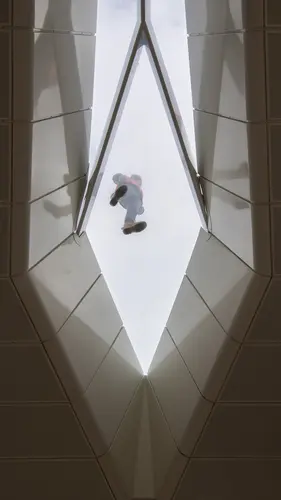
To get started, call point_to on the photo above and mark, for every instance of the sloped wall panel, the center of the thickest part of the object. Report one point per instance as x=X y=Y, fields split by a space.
x=243 y=423
x=233 y=154
x=182 y=403
x=218 y=16
x=59 y=15
x=104 y=403
x=231 y=479
x=266 y=325
x=57 y=150
x=53 y=288
x=230 y=216
x=5 y=159
x=231 y=290
x=85 y=338
x=204 y=346
x=41 y=434
x=56 y=479
x=143 y=462
x=210 y=318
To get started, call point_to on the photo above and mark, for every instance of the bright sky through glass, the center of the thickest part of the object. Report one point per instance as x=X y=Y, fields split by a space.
x=144 y=271
x=116 y=22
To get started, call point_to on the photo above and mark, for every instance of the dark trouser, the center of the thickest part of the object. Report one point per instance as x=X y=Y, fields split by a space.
x=131 y=201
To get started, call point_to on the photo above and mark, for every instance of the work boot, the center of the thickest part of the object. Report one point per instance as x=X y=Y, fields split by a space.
x=119 y=193
x=134 y=227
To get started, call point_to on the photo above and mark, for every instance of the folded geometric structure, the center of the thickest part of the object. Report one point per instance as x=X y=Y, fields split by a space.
x=78 y=418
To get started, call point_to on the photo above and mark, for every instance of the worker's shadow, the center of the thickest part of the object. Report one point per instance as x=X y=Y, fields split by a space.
x=57 y=211
x=238 y=173
x=56 y=63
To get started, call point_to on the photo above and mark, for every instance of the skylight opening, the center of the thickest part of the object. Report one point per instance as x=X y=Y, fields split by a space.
x=144 y=271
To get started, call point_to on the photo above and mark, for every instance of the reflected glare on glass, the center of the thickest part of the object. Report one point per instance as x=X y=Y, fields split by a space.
x=144 y=271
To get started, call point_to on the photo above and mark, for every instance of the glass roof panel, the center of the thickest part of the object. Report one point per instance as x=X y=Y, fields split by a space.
x=144 y=270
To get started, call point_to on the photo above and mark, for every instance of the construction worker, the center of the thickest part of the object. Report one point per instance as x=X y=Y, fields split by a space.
x=129 y=195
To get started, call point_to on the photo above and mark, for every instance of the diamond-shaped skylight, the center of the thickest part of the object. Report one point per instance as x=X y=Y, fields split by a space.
x=144 y=271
